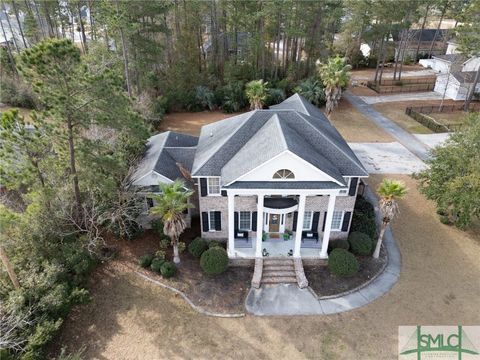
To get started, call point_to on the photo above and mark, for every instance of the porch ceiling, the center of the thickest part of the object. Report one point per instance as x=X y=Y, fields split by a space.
x=280 y=202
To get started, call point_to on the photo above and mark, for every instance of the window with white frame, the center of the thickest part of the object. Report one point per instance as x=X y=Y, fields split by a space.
x=284 y=174
x=307 y=220
x=245 y=220
x=345 y=192
x=337 y=220
x=212 y=225
x=214 y=186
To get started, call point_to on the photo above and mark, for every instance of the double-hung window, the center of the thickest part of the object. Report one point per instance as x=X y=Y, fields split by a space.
x=337 y=220
x=214 y=186
x=307 y=220
x=245 y=220
x=211 y=221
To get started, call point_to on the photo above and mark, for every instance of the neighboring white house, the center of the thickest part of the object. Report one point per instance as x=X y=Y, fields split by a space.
x=458 y=84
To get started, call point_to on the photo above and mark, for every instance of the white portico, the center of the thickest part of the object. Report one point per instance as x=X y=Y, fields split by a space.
x=281 y=239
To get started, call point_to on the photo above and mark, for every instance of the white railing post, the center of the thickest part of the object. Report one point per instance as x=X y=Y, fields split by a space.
x=299 y=229
x=231 y=225
x=258 y=249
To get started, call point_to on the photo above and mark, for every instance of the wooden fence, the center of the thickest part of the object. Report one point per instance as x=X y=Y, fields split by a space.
x=409 y=84
x=474 y=106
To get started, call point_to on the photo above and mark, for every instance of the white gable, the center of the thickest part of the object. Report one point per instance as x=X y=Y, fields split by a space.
x=151 y=178
x=303 y=170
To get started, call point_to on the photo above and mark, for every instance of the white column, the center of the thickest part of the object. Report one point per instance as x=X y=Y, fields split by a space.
x=231 y=225
x=328 y=226
x=258 y=249
x=299 y=229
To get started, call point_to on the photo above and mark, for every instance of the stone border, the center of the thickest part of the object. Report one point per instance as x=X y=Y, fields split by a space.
x=189 y=302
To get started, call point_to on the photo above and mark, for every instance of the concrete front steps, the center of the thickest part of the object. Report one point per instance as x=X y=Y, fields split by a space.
x=279 y=271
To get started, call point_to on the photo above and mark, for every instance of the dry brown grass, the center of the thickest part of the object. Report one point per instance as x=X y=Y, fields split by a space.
x=355 y=127
x=22 y=111
x=130 y=318
x=191 y=122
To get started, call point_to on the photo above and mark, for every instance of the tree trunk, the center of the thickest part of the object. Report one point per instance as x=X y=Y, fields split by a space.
x=10 y=26
x=444 y=10
x=376 y=253
x=73 y=168
x=125 y=56
x=9 y=51
x=469 y=98
x=379 y=58
x=15 y=10
x=9 y=268
x=82 y=29
x=93 y=30
x=421 y=31
x=176 y=257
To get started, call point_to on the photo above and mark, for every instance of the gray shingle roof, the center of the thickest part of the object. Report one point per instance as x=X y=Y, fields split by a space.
x=163 y=152
x=232 y=147
x=458 y=58
x=299 y=103
x=462 y=77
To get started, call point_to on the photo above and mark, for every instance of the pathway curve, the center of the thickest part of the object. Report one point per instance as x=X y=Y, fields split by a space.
x=412 y=143
x=288 y=299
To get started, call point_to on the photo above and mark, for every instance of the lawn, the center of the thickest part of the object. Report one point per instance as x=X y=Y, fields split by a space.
x=130 y=318
x=191 y=122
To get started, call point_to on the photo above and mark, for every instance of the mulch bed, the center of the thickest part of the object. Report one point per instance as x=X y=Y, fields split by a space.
x=224 y=293
x=326 y=284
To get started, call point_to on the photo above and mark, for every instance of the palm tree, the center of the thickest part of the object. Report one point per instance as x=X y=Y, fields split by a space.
x=312 y=90
x=389 y=191
x=256 y=92
x=170 y=206
x=335 y=76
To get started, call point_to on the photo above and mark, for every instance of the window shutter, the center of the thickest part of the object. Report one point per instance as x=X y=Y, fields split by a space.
x=353 y=187
x=295 y=218
x=218 y=221
x=254 y=221
x=324 y=220
x=235 y=221
x=316 y=217
x=205 y=222
x=346 y=221
x=203 y=187
x=224 y=192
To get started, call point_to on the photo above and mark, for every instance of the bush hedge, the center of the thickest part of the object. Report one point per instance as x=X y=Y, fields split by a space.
x=214 y=260
x=342 y=263
x=145 y=260
x=156 y=265
x=197 y=247
x=168 y=269
x=338 y=244
x=214 y=243
x=360 y=243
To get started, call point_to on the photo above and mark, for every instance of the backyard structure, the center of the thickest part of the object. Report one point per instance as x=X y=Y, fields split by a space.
x=276 y=182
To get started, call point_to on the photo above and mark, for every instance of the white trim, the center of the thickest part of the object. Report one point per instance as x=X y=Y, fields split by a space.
x=265 y=192
x=249 y=228
x=167 y=180
x=347 y=190
x=219 y=186
x=209 y=223
x=311 y=220
x=281 y=180
x=280 y=211
x=341 y=220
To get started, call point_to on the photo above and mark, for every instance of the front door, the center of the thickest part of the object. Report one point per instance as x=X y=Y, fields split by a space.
x=274 y=224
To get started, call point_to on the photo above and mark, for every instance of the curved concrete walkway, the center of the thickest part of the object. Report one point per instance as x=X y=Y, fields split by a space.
x=290 y=300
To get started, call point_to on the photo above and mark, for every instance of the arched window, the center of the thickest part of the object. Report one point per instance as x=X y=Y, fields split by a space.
x=284 y=174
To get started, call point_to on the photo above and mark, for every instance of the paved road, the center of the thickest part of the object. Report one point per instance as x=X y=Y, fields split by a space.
x=430 y=95
x=412 y=143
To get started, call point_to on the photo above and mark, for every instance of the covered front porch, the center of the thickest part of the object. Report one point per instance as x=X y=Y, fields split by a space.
x=279 y=230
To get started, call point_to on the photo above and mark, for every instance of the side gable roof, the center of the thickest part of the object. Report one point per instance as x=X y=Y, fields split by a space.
x=162 y=154
x=299 y=103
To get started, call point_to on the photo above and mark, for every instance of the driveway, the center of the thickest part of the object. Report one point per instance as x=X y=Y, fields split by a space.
x=387 y=158
x=402 y=97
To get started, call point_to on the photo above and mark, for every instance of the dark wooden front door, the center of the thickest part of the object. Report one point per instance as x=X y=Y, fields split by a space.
x=274 y=223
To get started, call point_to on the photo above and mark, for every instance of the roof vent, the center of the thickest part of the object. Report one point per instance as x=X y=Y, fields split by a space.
x=211 y=134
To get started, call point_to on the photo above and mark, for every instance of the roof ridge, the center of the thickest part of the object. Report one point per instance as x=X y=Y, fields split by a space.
x=226 y=140
x=276 y=121
x=333 y=143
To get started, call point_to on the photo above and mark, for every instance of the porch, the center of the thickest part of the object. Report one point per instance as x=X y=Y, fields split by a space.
x=276 y=247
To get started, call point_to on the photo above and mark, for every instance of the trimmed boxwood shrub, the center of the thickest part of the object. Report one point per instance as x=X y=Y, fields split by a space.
x=342 y=263
x=214 y=260
x=214 y=243
x=360 y=243
x=338 y=244
x=156 y=265
x=145 y=260
x=168 y=269
x=197 y=247
x=364 y=224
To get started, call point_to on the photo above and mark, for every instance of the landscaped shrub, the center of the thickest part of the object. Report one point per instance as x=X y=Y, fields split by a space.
x=214 y=260
x=145 y=260
x=164 y=244
x=157 y=265
x=214 y=243
x=360 y=243
x=160 y=254
x=197 y=247
x=364 y=206
x=205 y=97
x=233 y=97
x=157 y=225
x=275 y=96
x=168 y=269
x=181 y=247
x=364 y=224
x=338 y=244
x=342 y=263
